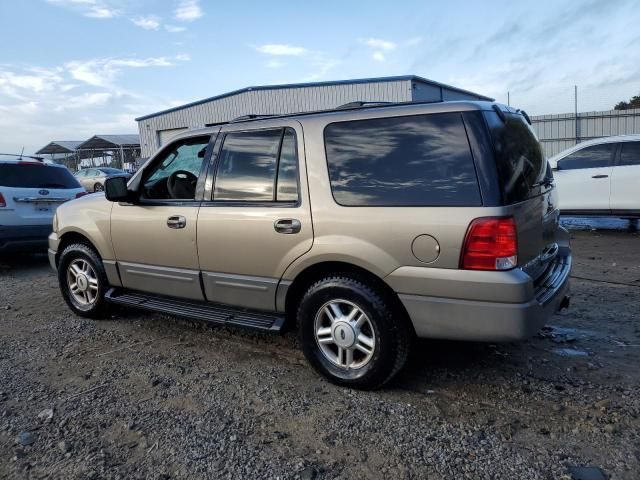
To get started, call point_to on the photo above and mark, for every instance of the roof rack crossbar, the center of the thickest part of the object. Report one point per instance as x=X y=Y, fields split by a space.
x=253 y=116
x=361 y=104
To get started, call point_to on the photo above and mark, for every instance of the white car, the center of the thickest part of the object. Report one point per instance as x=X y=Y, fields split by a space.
x=30 y=192
x=599 y=177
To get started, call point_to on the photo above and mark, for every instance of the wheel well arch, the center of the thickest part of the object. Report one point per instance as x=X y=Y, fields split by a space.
x=315 y=272
x=70 y=238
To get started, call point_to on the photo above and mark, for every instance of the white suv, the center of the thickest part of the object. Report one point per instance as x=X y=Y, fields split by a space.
x=30 y=192
x=600 y=177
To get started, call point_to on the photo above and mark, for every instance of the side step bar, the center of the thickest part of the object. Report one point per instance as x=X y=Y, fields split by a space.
x=209 y=312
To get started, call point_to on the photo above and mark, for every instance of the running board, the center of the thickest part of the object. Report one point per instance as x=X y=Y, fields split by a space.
x=209 y=312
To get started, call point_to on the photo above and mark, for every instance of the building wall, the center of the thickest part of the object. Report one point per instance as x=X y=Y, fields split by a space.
x=558 y=132
x=285 y=100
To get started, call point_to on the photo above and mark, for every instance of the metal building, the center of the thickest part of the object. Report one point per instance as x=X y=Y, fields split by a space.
x=157 y=128
x=559 y=132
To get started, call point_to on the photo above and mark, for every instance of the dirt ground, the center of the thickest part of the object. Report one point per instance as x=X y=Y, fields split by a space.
x=151 y=396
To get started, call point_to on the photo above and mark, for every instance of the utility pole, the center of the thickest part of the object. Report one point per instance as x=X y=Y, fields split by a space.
x=575 y=111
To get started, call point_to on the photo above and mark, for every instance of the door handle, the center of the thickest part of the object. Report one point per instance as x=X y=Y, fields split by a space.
x=287 y=225
x=600 y=176
x=176 y=221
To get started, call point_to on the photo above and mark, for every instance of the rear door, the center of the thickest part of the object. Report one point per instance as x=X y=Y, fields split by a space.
x=584 y=179
x=625 y=178
x=256 y=219
x=33 y=190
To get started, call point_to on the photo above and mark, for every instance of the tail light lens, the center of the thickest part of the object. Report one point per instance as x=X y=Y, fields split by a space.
x=3 y=202
x=81 y=194
x=491 y=244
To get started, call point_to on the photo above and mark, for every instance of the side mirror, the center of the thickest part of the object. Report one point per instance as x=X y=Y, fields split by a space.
x=115 y=190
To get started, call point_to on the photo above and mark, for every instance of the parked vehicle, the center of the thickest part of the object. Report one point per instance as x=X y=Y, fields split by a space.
x=92 y=179
x=30 y=192
x=600 y=177
x=365 y=227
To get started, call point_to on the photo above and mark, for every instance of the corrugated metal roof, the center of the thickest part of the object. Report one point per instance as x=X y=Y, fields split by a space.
x=413 y=78
x=60 y=146
x=110 y=141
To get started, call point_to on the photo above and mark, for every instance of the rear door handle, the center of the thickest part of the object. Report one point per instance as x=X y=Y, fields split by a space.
x=176 y=221
x=600 y=176
x=287 y=225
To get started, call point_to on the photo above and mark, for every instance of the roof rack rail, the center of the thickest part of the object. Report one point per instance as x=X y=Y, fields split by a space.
x=361 y=104
x=253 y=116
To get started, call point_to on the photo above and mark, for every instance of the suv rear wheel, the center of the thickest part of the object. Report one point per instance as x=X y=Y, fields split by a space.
x=83 y=281
x=98 y=187
x=349 y=333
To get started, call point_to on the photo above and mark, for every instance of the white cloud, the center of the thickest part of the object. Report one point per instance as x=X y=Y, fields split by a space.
x=101 y=12
x=380 y=44
x=378 y=56
x=150 y=22
x=102 y=72
x=281 y=50
x=174 y=29
x=89 y=8
x=274 y=63
x=188 y=11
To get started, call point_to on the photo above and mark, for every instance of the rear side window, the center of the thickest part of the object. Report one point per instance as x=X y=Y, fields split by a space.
x=596 y=156
x=519 y=158
x=422 y=160
x=630 y=154
x=258 y=166
x=36 y=176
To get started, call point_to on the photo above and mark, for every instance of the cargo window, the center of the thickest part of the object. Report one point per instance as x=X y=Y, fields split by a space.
x=520 y=162
x=630 y=153
x=596 y=156
x=36 y=176
x=252 y=163
x=422 y=160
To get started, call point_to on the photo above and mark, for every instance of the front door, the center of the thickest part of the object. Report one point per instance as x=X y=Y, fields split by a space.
x=256 y=219
x=155 y=239
x=584 y=179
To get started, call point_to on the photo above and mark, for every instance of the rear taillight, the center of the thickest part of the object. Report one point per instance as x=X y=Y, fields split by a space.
x=491 y=244
x=81 y=194
x=3 y=203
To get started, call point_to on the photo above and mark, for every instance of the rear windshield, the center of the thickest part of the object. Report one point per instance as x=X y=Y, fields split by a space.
x=36 y=176
x=422 y=160
x=519 y=158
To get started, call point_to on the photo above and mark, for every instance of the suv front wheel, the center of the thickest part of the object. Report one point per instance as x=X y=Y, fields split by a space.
x=83 y=281
x=349 y=332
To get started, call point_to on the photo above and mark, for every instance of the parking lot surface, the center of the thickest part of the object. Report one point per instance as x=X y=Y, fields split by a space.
x=151 y=396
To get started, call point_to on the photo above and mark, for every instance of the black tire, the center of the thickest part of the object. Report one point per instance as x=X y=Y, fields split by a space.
x=78 y=251
x=98 y=187
x=393 y=336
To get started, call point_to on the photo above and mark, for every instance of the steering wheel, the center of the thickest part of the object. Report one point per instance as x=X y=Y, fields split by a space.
x=182 y=184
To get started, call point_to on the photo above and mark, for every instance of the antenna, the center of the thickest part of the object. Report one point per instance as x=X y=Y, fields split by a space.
x=21 y=154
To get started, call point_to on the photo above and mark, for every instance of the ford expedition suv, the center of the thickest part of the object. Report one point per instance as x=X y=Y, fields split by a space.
x=363 y=227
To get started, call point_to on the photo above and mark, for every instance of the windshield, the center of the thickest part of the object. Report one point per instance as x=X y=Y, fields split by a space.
x=519 y=159
x=110 y=171
x=36 y=176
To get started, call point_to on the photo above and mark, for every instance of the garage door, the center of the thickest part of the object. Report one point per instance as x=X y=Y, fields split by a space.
x=165 y=135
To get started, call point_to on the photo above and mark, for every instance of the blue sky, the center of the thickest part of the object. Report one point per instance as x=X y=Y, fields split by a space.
x=73 y=68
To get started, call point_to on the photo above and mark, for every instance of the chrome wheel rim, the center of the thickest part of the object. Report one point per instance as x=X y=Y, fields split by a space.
x=344 y=334
x=83 y=282
x=98 y=188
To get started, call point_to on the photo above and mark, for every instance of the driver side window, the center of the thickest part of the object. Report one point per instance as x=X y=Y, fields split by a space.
x=175 y=175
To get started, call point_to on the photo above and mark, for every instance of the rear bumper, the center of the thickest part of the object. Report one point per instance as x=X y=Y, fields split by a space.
x=24 y=238
x=492 y=321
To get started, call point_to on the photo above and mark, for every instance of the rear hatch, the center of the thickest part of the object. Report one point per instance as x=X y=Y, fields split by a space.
x=33 y=190
x=527 y=188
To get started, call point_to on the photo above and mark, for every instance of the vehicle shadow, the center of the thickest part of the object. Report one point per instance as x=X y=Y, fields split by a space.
x=23 y=261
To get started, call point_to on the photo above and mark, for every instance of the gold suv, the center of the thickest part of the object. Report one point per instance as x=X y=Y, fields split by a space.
x=363 y=227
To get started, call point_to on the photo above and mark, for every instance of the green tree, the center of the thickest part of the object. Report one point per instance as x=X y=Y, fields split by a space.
x=633 y=103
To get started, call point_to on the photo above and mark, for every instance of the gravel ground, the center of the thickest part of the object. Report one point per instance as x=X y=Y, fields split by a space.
x=152 y=396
